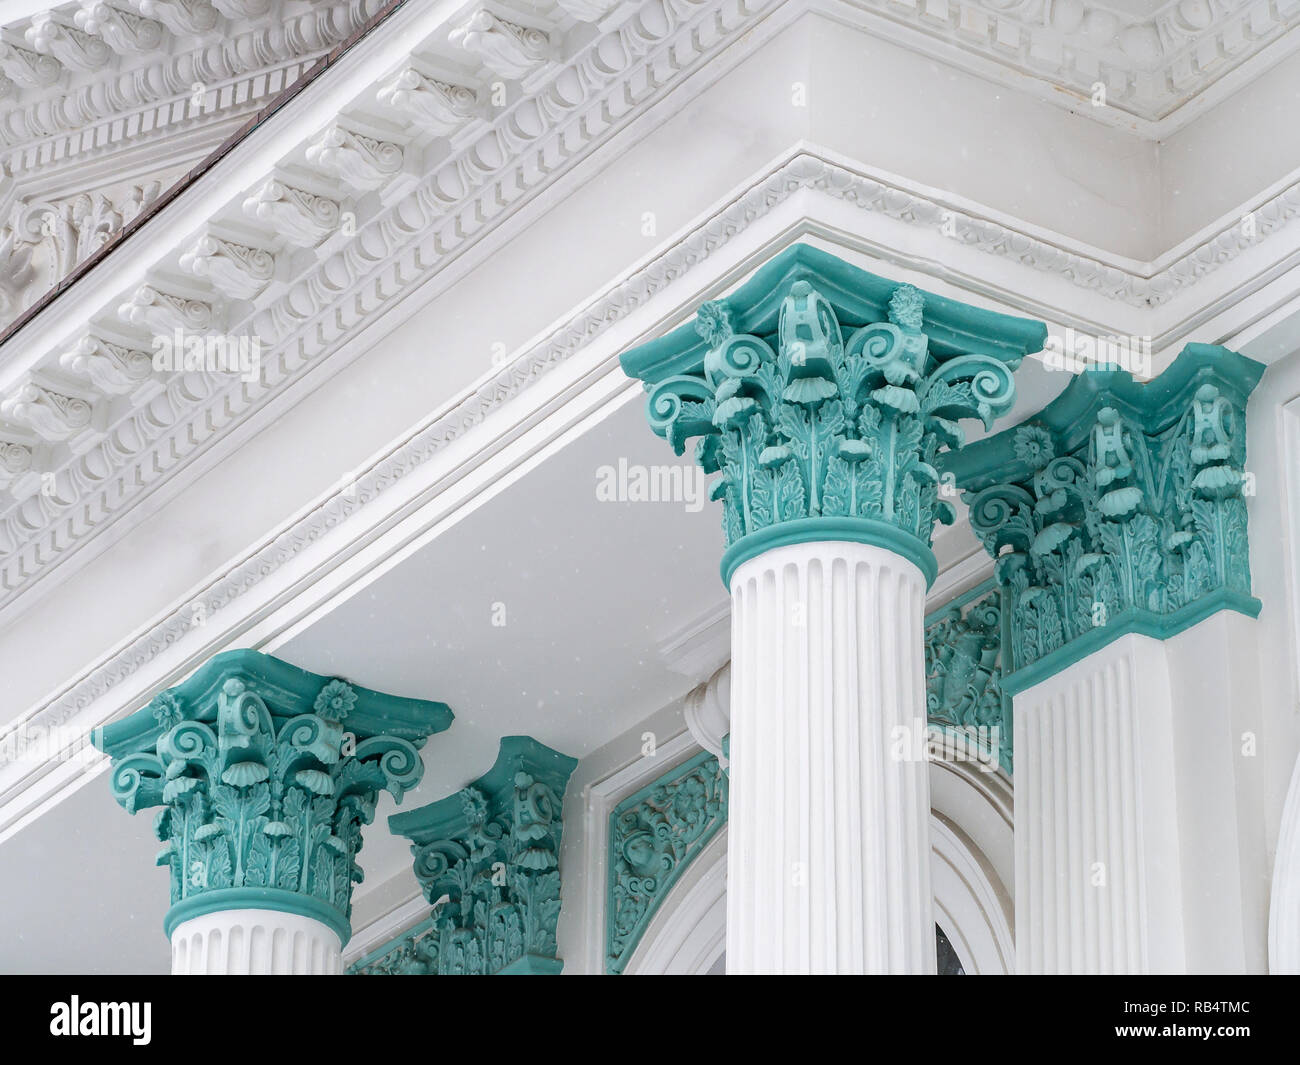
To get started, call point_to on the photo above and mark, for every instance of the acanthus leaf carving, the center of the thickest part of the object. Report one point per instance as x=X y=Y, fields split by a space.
x=163 y=312
x=69 y=44
x=512 y=50
x=182 y=17
x=123 y=29
x=439 y=106
x=53 y=415
x=112 y=368
x=298 y=216
x=29 y=68
x=488 y=859
x=265 y=775
x=361 y=161
x=239 y=270
x=1127 y=511
x=963 y=675
x=824 y=420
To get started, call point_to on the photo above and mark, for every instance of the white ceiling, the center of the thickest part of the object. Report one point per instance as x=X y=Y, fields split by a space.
x=591 y=589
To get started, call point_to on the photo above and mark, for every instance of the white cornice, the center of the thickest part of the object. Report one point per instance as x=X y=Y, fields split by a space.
x=1148 y=68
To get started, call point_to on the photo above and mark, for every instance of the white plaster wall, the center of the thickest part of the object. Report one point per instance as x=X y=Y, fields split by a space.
x=1230 y=154
x=1273 y=455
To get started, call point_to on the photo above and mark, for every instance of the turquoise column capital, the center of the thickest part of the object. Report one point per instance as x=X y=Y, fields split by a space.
x=823 y=396
x=264 y=774
x=487 y=858
x=1118 y=508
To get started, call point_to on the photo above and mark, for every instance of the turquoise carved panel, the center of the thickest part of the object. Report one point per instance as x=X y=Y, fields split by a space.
x=1120 y=507
x=487 y=859
x=653 y=836
x=822 y=396
x=264 y=775
x=964 y=697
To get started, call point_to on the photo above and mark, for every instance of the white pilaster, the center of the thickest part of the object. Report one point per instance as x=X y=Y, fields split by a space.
x=255 y=943
x=829 y=861
x=1131 y=768
x=1097 y=885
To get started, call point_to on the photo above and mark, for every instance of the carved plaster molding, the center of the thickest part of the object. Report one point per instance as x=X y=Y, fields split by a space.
x=1144 y=61
x=469 y=411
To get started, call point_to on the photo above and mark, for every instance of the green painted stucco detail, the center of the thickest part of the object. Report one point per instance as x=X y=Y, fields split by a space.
x=487 y=858
x=265 y=774
x=653 y=836
x=964 y=694
x=821 y=392
x=412 y=953
x=1118 y=508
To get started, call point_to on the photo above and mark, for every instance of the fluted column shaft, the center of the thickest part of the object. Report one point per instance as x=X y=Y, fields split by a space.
x=252 y=942
x=828 y=865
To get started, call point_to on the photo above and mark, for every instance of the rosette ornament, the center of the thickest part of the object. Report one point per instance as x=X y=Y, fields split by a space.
x=1119 y=507
x=487 y=857
x=265 y=775
x=822 y=396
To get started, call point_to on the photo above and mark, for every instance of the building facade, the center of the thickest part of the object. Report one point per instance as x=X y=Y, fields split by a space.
x=649 y=486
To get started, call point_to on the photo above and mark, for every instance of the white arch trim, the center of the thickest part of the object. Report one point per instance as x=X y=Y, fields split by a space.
x=1284 y=907
x=688 y=933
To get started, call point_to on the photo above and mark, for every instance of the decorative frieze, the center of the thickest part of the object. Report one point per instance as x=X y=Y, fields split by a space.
x=265 y=775
x=1119 y=507
x=445 y=217
x=64 y=233
x=487 y=858
x=825 y=419
x=653 y=835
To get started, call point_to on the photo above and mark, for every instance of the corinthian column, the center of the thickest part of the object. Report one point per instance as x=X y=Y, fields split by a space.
x=264 y=775
x=822 y=396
